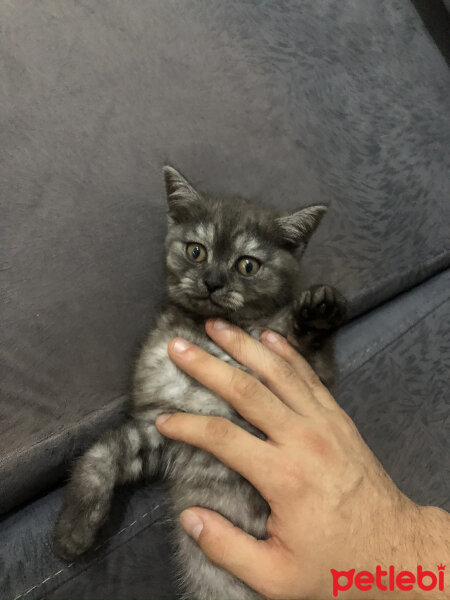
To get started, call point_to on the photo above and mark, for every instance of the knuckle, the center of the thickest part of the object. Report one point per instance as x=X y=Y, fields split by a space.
x=238 y=343
x=218 y=429
x=312 y=379
x=347 y=424
x=243 y=385
x=317 y=443
x=284 y=371
x=219 y=551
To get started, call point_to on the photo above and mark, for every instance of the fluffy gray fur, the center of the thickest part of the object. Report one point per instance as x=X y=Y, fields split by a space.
x=228 y=229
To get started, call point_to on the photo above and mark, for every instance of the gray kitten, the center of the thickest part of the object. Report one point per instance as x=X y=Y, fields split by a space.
x=226 y=257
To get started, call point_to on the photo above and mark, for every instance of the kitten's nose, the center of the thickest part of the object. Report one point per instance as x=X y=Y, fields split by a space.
x=212 y=285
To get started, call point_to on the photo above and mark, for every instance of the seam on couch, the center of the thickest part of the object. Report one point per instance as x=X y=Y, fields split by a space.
x=50 y=577
x=96 y=560
x=383 y=348
x=438 y=263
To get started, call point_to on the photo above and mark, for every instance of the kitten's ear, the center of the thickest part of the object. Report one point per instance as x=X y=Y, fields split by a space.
x=297 y=228
x=184 y=202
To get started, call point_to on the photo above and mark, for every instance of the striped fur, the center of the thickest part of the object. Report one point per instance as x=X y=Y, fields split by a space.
x=228 y=229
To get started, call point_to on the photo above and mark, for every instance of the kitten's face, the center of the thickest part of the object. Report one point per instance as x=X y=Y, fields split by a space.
x=215 y=268
x=228 y=257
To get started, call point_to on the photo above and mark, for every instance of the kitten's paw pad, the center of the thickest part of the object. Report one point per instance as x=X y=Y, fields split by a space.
x=321 y=307
x=72 y=537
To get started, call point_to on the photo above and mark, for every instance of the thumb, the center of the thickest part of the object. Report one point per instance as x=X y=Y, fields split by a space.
x=228 y=546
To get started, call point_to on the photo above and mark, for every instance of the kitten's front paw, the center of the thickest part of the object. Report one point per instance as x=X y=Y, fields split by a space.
x=321 y=307
x=74 y=534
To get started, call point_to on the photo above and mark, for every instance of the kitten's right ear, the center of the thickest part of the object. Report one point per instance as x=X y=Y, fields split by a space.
x=184 y=201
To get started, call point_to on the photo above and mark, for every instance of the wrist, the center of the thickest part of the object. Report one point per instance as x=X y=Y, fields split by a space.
x=401 y=559
x=415 y=548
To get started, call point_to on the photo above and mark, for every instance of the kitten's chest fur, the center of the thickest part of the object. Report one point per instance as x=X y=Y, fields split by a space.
x=160 y=385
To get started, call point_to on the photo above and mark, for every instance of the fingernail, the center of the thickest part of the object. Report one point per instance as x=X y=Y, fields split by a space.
x=160 y=419
x=191 y=523
x=181 y=345
x=220 y=325
x=272 y=337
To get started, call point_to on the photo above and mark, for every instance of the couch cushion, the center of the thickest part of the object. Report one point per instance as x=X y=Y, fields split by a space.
x=394 y=383
x=287 y=103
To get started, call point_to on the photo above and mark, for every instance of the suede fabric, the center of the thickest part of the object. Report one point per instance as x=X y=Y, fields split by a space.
x=287 y=103
x=394 y=383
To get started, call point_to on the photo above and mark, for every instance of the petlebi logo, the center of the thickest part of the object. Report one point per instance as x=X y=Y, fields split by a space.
x=402 y=580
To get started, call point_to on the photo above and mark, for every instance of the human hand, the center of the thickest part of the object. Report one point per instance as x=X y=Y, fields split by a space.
x=332 y=504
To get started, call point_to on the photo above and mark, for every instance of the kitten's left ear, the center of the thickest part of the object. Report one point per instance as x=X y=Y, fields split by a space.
x=297 y=228
x=183 y=200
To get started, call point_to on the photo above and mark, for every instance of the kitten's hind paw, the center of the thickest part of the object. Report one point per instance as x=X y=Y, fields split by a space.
x=320 y=307
x=74 y=533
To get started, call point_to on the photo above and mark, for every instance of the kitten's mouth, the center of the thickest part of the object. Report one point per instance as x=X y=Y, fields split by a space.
x=210 y=299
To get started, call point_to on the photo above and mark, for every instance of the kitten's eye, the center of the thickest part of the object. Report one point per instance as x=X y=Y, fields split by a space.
x=247 y=266
x=196 y=252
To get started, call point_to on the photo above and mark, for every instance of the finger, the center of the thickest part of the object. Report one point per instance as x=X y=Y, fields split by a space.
x=250 y=456
x=302 y=368
x=245 y=393
x=251 y=560
x=277 y=374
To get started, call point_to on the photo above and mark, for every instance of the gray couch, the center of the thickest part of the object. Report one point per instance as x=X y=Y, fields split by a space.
x=288 y=103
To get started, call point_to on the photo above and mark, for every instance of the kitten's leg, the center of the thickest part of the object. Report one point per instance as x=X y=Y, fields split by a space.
x=121 y=455
x=318 y=311
x=320 y=308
